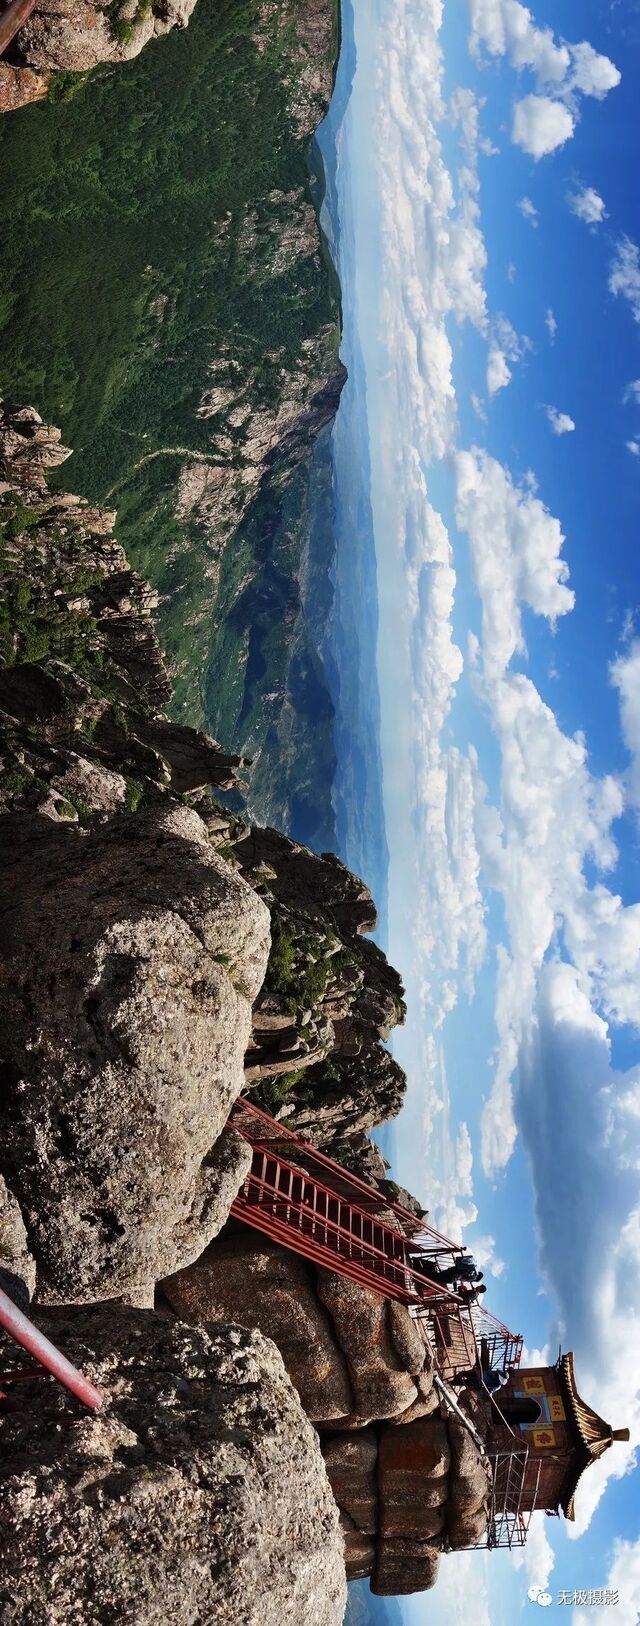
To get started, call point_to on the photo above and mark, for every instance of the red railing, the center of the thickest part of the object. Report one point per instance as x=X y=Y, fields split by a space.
x=12 y=19
x=23 y=1332
x=304 y=1200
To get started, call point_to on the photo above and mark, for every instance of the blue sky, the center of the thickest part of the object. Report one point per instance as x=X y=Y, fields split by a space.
x=483 y=159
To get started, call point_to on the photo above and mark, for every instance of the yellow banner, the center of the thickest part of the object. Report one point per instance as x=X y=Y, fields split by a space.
x=543 y=1437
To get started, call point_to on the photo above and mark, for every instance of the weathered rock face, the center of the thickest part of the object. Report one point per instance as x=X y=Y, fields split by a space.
x=381 y=1387
x=17 y=1267
x=432 y=1491
x=198 y=1492
x=353 y=1357
x=329 y=1000
x=133 y=954
x=74 y=36
x=247 y=1279
x=351 y=1461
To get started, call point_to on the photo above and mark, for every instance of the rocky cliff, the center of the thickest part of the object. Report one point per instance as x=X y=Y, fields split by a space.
x=162 y=955
x=197 y=1492
x=409 y=1480
x=187 y=343
x=74 y=36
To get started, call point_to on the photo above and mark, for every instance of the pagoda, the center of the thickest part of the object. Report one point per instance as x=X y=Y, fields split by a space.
x=541 y=1438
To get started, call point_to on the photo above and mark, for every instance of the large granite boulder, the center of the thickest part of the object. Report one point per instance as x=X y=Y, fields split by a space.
x=198 y=1493
x=359 y=1550
x=251 y=1280
x=381 y=1386
x=404 y=1566
x=133 y=954
x=413 y=1469
x=351 y=1461
x=76 y=35
x=469 y=1490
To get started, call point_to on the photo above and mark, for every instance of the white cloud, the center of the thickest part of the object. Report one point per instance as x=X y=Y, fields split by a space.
x=483 y=1249
x=516 y=547
x=559 y=422
x=505 y=349
x=528 y=209
x=587 y=204
x=541 y=125
x=505 y=28
x=550 y=324
x=624 y=1580
x=624 y=274
x=625 y=677
x=511 y=272
x=498 y=370
x=591 y=73
x=633 y=446
x=537 y=1558
x=581 y=1123
x=632 y=392
x=555 y=822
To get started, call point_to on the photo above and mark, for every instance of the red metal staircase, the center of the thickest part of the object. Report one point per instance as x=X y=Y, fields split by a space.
x=312 y=1205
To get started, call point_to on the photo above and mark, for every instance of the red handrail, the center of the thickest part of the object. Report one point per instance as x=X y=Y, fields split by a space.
x=30 y=1338
x=12 y=19
x=275 y=1131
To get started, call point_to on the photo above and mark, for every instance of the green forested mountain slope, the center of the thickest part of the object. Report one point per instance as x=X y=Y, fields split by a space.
x=166 y=299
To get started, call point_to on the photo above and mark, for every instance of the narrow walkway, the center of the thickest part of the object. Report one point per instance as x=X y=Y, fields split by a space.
x=310 y=1204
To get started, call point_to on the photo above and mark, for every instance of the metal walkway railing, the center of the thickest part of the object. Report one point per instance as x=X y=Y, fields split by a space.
x=307 y=1202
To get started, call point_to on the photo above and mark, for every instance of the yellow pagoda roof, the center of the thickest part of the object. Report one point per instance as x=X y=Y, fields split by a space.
x=595 y=1436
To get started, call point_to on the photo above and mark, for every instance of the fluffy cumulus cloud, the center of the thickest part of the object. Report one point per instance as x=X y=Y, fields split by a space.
x=587 y=204
x=545 y=119
x=554 y=825
x=541 y=125
x=506 y=347
x=624 y=274
x=581 y=1123
x=559 y=422
x=484 y=1252
x=516 y=547
x=632 y=392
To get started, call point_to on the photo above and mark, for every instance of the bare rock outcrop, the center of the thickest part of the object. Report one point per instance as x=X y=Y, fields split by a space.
x=433 y=1491
x=132 y=955
x=74 y=36
x=381 y=1386
x=17 y=1266
x=197 y=1492
x=353 y=1357
x=351 y=1461
x=251 y=1280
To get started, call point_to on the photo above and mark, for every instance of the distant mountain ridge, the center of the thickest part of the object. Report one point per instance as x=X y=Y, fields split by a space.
x=168 y=300
x=365 y=1609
